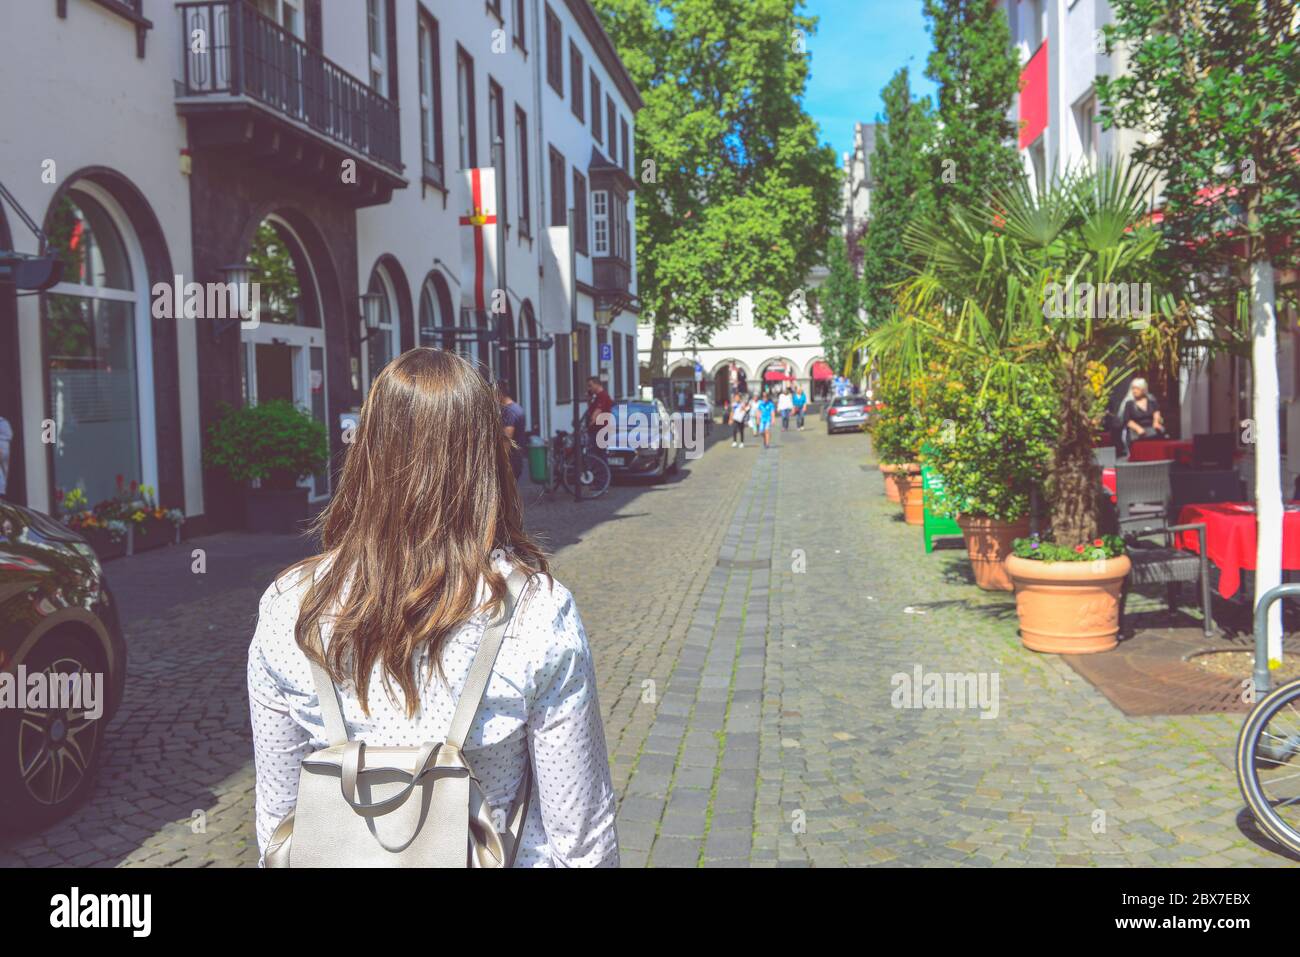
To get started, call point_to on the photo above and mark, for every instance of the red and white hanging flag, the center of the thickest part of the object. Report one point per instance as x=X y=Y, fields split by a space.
x=478 y=237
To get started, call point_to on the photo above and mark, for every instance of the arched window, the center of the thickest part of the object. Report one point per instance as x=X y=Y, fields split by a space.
x=98 y=351
x=435 y=313
x=380 y=342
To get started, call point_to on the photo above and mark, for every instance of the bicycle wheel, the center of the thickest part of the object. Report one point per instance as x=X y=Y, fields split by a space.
x=595 y=476
x=1268 y=765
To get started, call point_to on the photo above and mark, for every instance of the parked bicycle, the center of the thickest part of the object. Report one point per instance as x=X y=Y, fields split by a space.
x=562 y=467
x=1268 y=749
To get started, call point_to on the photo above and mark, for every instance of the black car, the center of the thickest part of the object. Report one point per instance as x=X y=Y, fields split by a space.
x=57 y=618
x=646 y=441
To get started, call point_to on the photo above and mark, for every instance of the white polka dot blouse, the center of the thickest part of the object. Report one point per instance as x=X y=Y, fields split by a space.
x=540 y=705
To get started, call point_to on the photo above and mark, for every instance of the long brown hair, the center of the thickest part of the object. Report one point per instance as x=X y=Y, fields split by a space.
x=425 y=497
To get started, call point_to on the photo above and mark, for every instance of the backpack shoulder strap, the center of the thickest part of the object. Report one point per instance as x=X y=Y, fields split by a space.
x=331 y=708
x=480 y=669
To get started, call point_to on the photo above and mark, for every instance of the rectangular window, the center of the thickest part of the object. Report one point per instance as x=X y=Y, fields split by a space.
x=618 y=227
x=430 y=99
x=617 y=365
x=584 y=355
x=465 y=109
x=524 y=191
x=554 y=52
x=600 y=222
x=580 y=213
x=520 y=31
x=611 y=120
x=497 y=139
x=575 y=81
x=630 y=343
x=563 y=369
x=625 y=146
x=1085 y=117
x=559 y=201
x=377 y=37
x=595 y=109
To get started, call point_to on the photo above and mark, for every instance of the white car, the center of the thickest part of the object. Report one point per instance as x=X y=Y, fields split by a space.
x=704 y=410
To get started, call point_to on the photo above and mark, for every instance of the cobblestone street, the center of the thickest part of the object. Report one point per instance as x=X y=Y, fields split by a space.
x=747 y=617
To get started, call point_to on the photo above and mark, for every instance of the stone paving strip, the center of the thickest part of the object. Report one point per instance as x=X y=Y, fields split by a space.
x=691 y=798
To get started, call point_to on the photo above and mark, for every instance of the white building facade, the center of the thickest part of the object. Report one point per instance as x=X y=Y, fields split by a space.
x=334 y=131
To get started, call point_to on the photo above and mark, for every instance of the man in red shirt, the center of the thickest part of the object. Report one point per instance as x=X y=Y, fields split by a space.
x=598 y=402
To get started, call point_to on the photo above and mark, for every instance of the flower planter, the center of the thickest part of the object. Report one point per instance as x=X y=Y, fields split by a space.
x=151 y=533
x=907 y=480
x=887 y=473
x=275 y=510
x=988 y=542
x=1068 y=608
x=106 y=547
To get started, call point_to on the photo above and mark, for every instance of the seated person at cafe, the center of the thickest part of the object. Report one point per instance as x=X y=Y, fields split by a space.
x=1140 y=415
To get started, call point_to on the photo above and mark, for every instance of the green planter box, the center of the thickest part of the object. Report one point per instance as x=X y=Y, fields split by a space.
x=935 y=526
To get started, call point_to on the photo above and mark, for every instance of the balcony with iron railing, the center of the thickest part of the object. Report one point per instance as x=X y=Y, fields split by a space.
x=239 y=65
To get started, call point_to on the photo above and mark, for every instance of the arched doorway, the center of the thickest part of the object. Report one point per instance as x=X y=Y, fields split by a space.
x=283 y=355
x=530 y=389
x=723 y=384
x=504 y=350
x=380 y=339
x=436 y=313
x=98 y=348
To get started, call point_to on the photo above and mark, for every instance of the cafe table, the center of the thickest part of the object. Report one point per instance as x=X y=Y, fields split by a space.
x=1230 y=534
x=1156 y=450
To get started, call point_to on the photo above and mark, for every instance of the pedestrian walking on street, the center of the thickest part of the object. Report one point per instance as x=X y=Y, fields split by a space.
x=739 y=413
x=422 y=545
x=799 y=400
x=766 y=409
x=512 y=420
x=785 y=405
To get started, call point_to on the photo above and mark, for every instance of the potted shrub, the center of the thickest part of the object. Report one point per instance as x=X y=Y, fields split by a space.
x=1030 y=286
x=267 y=449
x=1067 y=597
x=991 y=453
x=896 y=435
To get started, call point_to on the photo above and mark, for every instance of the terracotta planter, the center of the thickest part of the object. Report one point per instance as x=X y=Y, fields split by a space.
x=887 y=473
x=907 y=480
x=988 y=542
x=1068 y=608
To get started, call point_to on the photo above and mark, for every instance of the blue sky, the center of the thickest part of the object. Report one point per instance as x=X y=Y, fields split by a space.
x=858 y=46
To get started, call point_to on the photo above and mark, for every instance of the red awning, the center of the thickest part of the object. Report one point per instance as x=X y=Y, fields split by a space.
x=776 y=375
x=821 y=370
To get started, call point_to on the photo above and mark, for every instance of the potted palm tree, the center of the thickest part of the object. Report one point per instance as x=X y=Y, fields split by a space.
x=268 y=449
x=1050 y=290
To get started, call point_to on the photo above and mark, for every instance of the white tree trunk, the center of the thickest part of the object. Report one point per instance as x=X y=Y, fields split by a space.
x=1268 y=449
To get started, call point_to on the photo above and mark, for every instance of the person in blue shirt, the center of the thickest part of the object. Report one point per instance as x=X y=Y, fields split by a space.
x=766 y=408
x=800 y=399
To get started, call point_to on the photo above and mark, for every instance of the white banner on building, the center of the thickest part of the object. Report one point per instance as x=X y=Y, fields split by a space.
x=559 y=279
x=478 y=237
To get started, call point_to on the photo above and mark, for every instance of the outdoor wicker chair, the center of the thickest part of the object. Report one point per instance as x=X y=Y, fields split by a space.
x=1142 y=496
x=1165 y=564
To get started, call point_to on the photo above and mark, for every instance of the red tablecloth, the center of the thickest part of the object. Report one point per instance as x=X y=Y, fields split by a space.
x=1108 y=481
x=1230 y=539
x=1154 y=450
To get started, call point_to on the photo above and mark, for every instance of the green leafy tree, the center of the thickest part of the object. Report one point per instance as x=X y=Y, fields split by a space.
x=978 y=74
x=839 y=299
x=900 y=170
x=273 y=269
x=1218 y=84
x=736 y=195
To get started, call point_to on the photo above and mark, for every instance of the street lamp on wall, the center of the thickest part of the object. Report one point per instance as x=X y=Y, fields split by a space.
x=372 y=304
x=239 y=276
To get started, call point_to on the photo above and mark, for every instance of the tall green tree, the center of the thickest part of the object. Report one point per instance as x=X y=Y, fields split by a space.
x=736 y=195
x=901 y=192
x=978 y=74
x=839 y=299
x=1218 y=84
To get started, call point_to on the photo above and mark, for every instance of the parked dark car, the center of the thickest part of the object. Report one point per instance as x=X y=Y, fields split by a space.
x=647 y=440
x=847 y=413
x=57 y=617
